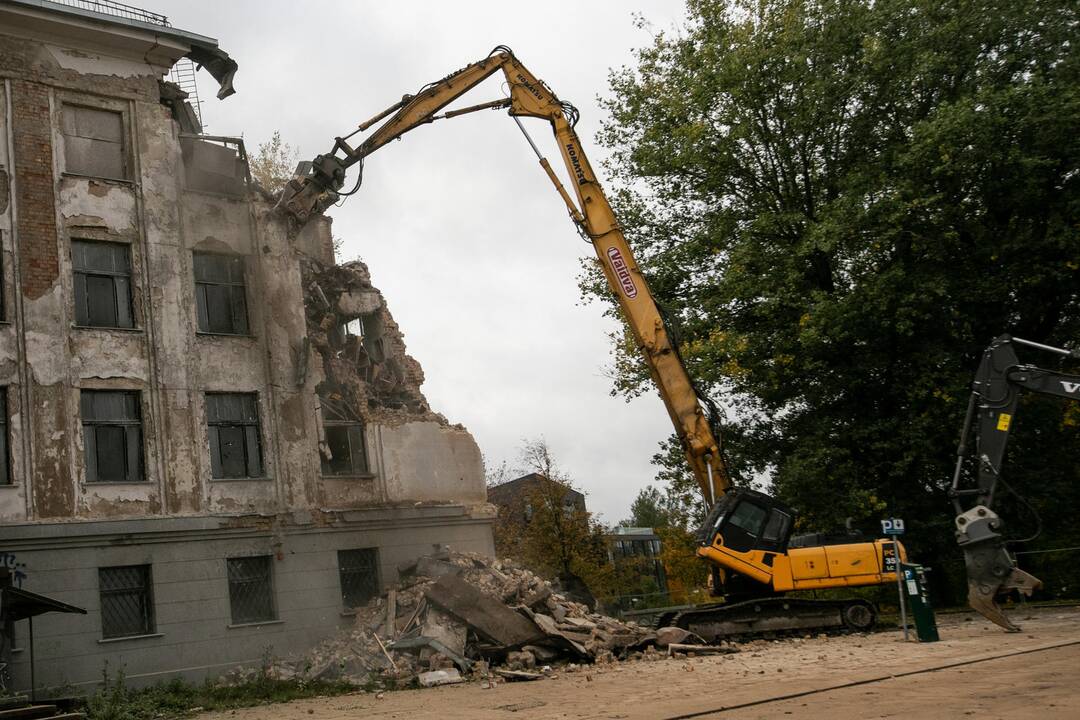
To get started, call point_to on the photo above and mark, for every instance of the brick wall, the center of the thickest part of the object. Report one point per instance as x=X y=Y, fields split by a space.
x=32 y=128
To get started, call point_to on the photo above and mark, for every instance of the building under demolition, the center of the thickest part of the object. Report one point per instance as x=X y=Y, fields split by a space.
x=212 y=438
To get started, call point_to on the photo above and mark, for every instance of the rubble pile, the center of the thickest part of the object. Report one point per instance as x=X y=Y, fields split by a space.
x=456 y=615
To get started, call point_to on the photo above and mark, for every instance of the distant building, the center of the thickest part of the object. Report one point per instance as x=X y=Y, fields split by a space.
x=640 y=548
x=515 y=498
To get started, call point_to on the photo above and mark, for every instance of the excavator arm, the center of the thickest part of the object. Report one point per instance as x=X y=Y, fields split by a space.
x=995 y=394
x=319 y=184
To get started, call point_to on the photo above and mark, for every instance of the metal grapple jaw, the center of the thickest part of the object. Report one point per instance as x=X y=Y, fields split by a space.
x=311 y=190
x=991 y=570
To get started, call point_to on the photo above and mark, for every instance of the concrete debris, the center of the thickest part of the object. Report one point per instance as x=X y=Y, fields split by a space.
x=676 y=636
x=483 y=614
x=432 y=678
x=481 y=619
x=368 y=375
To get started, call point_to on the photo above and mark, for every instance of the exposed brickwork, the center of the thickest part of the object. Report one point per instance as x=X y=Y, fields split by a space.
x=54 y=492
x=36 y=190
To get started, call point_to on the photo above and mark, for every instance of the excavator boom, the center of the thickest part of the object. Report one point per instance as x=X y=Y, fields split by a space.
x=319 y=184
x=995 y=395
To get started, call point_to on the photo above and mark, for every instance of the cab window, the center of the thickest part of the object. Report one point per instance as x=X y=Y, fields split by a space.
x=749 y=517
x=777 y=527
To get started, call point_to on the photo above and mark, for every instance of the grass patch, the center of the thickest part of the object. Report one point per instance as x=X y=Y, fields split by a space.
x=179 y=698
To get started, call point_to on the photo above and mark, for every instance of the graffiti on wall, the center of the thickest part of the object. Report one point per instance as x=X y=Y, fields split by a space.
x=16 y=569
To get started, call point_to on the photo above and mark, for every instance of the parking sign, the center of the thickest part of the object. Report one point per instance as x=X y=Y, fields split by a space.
x=892 y=526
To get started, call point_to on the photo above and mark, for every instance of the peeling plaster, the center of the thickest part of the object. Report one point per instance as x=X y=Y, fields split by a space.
x=45 y=349
x=111 y=206
x=92 y=64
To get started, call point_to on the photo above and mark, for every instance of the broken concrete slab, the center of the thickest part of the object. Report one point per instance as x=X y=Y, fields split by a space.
x=435 y=567
x=439 y=677
x=445 y=628
x=675 y=635
x=484 y=614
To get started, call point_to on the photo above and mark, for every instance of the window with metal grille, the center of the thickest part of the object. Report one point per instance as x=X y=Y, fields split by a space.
x=251 y=589
x=344 y=441
x=359 y=570
x=233 y=425
x=5 y=460
x=94 y=142
x=127 y=601
x=102 y=284
x=220 y=295
x=112 y=435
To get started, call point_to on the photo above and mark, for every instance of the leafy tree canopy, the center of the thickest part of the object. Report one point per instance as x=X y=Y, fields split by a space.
x=273 y=163
x=842 y=202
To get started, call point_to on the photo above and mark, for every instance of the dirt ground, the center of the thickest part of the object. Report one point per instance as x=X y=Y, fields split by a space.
x=976 y=669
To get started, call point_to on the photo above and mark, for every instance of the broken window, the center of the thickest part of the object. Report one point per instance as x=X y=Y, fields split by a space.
x=344 y=441
x=251 y=589
x=127 y=601
x=220 y=295
x=102 y=284
x=359 y=570
x=233 y=423
x=94 y=142
x=5 y=461
x=112 y=435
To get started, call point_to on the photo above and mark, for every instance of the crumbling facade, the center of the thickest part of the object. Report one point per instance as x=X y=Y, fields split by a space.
x=213 y=438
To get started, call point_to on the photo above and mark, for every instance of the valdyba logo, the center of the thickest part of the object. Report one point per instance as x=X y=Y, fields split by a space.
x=618 y=264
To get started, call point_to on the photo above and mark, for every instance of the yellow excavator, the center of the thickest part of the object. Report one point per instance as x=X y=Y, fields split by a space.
x=747 y=536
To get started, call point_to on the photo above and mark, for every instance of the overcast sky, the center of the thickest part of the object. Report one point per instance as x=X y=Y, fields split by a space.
x=460 y=227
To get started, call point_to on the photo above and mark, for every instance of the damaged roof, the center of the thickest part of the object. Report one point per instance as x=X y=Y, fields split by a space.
x=148 y=33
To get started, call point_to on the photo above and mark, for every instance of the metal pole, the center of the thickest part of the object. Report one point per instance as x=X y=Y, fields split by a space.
x=33 y=685
x=900 y=587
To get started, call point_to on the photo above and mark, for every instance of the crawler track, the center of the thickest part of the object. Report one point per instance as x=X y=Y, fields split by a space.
x=773 y=615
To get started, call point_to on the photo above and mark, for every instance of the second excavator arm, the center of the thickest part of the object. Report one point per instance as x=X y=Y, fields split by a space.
x=319 y=184
x=995 y=395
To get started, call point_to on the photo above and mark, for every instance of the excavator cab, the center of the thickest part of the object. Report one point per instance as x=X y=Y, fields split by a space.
x=748 y=520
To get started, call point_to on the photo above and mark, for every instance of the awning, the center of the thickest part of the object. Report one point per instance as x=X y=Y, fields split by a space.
x=19 y=604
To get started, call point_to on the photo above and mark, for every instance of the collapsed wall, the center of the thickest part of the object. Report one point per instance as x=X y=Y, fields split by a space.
x=367 y=372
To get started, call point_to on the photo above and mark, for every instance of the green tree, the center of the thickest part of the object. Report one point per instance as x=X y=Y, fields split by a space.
x=273 y=163
x=840 y=203
x=648 y=510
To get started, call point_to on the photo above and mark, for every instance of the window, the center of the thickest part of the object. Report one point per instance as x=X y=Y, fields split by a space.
x=220 y=295
x=5 y=463
x=344 y=441
x=359 y=571
x=94 y=142
x=777 y=527
x=251 y=589
x=233 y=422
x=112 y=435
x=749 y=517
x=127 y=601
x=102 y=284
